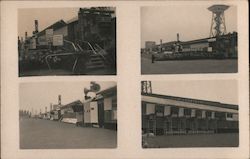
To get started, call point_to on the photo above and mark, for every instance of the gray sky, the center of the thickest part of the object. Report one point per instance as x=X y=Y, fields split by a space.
x=190 y=21
x=45 y=17
x=41 y=94
x=225 y=91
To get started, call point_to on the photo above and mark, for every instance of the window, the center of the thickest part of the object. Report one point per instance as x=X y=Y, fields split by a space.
x=143 y=108
x=114 y=108
x=174 y=111
x=187 y=112
x=220 y=115
x=229 y=115
x=159 y=110
x=198 y=113
x=208 y=114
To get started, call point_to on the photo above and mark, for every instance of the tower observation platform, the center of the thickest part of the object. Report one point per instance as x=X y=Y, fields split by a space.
x=218 y=25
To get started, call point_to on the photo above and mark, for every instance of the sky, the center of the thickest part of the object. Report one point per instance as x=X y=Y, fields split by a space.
x=45 y=17
x=38 y=95
x=225 y=91
x=190 y=21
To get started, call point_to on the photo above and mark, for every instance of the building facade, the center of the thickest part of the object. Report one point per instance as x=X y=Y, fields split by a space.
x=164 y=115
x=102 y=110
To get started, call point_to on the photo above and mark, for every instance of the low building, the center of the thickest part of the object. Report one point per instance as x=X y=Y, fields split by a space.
x=72 y=112
x=163 y=115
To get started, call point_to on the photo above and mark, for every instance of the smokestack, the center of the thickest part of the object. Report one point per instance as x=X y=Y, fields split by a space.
x=178 y=37
x=36 y=26
x=161 y=45
x=26 y=35
x=59 y=100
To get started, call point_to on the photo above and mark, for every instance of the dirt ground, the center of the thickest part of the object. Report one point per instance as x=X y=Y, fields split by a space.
x=193 y=140
x=46 y=134
x=188 y=66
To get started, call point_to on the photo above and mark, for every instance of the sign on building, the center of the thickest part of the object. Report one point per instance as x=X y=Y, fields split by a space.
x=49 y=35
x=57 y=40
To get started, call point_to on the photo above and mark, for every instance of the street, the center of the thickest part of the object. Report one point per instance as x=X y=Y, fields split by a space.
x=188 y=66
x=46 y=134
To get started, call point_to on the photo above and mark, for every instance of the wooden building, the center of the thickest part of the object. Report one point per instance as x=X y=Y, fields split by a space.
x=163 y=115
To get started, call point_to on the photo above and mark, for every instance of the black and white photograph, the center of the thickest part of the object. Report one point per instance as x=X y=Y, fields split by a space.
x=73 y=115
x=67 y=41
x=185 y=39
x=198 y=113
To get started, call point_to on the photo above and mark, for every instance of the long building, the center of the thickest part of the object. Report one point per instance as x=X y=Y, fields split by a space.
x=163 y=115
x=227 y=45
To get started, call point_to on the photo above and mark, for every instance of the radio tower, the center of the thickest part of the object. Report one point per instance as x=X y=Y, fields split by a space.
x=218 y=25
x=146 y=87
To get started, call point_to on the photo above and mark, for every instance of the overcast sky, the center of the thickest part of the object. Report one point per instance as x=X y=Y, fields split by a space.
x=41 y=94
x=45 y=17
x=225 y=91
x=190 y=21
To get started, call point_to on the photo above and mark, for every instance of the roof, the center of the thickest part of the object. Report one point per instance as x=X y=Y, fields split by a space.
x=196 y=101
x=55 y=26
x=218 y=8
x=72 y=20
x=77 y=106
x=97 y=10
x=108 y=92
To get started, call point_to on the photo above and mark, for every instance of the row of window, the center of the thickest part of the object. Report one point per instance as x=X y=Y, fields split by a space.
x=174 y=111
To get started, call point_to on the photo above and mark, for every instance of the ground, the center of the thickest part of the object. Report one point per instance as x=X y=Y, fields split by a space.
x=194 y=140
x=47 y=72
x=188 y=66
x=46 y=134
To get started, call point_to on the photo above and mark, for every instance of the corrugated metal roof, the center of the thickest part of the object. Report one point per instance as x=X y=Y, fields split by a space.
x=55 y=26
x=196 y=101
x=108 y=91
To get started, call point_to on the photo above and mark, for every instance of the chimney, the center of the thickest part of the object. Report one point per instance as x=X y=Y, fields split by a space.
x=178 y=37
x=36 y=26
x=26 y=35
x=59 y=100
x=161 y=45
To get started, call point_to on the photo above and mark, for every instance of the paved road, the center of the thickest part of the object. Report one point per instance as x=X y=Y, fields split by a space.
x=188 y=66
x=194 y=140
x=45 y=134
